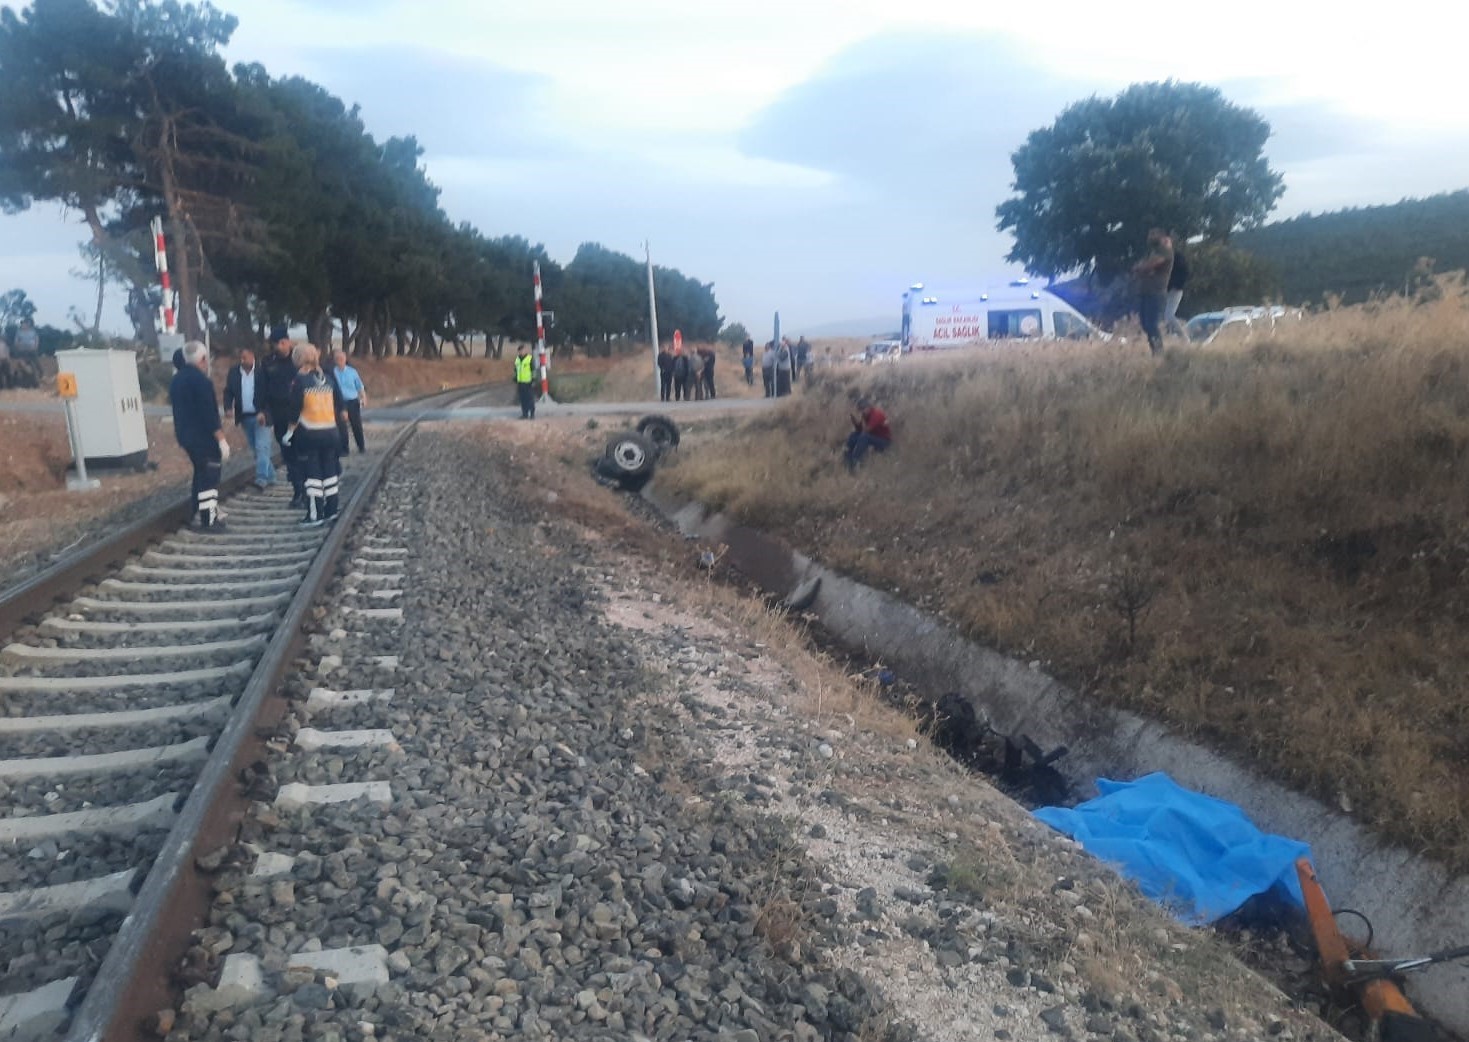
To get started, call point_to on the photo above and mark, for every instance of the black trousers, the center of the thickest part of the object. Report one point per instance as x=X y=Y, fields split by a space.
x=709 y=384
x=665 y=385
x=527 y=394
x=288 y=452
x=768 y=375
x=207 y=465
x=1150 y=314
x=782 y=382
x=321 y=468
x=354 y=418
x=683 y=390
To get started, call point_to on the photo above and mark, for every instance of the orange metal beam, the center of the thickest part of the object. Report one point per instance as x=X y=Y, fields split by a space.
x=1378 y=997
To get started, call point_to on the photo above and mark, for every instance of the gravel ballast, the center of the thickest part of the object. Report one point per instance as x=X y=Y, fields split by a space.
x=612 y=819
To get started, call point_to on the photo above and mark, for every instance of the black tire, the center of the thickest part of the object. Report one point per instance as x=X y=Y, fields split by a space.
x=631 y=455
x=661 y=431
x=607 y=472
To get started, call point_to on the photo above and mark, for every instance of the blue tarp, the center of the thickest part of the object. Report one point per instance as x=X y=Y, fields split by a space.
x=1200 y=857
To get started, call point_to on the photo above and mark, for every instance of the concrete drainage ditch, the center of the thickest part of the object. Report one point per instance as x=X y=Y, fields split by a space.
x=1415 y=904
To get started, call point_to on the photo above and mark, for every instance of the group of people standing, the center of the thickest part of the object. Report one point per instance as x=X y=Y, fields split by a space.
x=781 y=365
x=688 y=376
x=685 y=376
x=310 y=410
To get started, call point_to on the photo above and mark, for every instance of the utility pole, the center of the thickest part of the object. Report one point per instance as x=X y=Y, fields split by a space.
x=653 y=320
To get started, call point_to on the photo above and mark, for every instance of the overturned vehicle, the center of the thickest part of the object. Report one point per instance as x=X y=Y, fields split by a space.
x=630 y=458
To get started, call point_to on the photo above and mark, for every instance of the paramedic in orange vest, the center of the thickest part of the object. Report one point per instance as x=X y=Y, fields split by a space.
x=316 y=407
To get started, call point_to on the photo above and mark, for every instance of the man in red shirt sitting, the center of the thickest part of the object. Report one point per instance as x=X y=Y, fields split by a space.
x=869 y=431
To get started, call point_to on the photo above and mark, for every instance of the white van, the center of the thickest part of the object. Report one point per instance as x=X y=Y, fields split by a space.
x=935 y=319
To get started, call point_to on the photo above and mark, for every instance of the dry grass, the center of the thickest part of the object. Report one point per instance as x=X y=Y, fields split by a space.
x=1125 y=949
x=1289 y=508
x=823 y=692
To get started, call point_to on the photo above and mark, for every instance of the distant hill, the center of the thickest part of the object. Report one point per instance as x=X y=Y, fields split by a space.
x=1363 y=250
x=871 y=327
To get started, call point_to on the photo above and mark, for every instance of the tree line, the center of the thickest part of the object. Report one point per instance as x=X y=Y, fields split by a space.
x=278 y=205
x=1361 y=251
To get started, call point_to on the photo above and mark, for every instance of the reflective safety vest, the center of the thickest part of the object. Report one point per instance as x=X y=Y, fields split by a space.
x=318 y=405
x=524 y=369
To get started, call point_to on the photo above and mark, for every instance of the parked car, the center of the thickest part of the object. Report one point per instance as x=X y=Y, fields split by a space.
x=1203 y=328
x=879 y=351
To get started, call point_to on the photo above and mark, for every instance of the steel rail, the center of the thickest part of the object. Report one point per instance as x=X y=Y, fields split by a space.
x=164 y=912
x=61 y=579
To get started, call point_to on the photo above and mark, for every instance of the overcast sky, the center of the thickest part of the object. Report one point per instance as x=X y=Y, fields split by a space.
x=810 y=155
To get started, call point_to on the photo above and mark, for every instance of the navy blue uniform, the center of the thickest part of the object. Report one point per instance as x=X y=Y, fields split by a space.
x=273 y=380
x=195 y=424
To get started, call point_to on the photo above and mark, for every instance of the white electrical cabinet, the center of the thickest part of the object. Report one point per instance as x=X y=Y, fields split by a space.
x=109 y=406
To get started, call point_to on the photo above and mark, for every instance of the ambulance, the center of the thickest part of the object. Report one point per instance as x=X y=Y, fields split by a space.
x=1018 y=311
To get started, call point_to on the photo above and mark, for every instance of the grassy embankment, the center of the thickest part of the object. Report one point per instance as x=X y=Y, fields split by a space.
x=1283 y=520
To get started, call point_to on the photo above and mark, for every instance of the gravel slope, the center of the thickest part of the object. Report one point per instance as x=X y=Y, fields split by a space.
x=625 y=810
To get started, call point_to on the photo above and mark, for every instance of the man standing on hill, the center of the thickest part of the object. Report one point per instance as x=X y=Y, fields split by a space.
x=1176 y=281
x=803 y=359
x=747 y=359
x=525 y=387
x=1152 y=274
x=273 y=400
x=240 y=387
x=198 y=430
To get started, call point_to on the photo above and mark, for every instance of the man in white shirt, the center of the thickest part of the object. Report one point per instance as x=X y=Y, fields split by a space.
x=239 y=397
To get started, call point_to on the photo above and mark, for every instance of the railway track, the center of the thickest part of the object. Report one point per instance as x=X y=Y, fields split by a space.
x=130 y=699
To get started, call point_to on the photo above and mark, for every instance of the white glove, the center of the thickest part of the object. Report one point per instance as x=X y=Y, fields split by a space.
x=286 y=437
x=224 y=452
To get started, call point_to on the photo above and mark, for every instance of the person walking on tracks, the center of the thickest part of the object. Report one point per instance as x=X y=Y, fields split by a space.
x=354 y=397
x=240 y=387
x=198 y=430
x=316 y=407
x=525 y=385
x=273 y=397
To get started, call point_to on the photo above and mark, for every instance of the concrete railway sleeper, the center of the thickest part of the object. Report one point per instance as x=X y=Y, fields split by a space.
x=124 y=707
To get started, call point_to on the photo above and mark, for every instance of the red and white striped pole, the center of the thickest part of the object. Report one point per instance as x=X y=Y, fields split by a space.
x=541 y=335
x=160 y=257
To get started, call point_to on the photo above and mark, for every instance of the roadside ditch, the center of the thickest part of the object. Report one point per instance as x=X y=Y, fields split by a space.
x=1042 y=744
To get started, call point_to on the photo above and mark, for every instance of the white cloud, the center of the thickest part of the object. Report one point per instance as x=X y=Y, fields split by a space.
x=819 y=156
